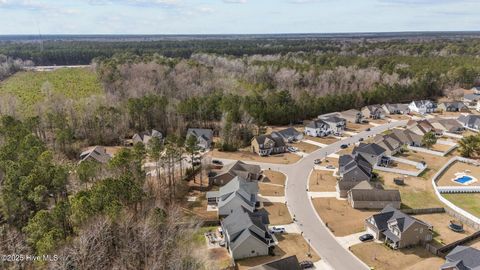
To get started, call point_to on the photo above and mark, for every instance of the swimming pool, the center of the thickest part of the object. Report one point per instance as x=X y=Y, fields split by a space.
x=464 y=179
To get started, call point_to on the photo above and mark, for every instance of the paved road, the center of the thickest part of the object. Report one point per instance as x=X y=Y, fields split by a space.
x=300 y=205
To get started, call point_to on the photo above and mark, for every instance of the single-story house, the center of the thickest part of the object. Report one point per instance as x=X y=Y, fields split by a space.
x=144 y=137
x=352 y=170
x=373 y=111
x=337 y=124
x=317 y=128
x=471 y=99
x=288 y=135
x=246 y=171
x=447 y=125
x=265 y=145
x=204 y=137
x=396 y=108
x=470 y=121
x=235 y=194
x=422 y=106
x=365 y=196
x=246 y=234
x=371 y=152
x=454 y=106
x=397 y=229
x=352 y=116
x=97 y=153
x=462 y=258
x=287 y=263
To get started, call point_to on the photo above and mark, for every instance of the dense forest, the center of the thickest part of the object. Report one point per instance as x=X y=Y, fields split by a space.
x=51 y=204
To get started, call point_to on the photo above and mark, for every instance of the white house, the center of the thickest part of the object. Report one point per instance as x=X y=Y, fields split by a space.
x=317 y=128
x=422 y=106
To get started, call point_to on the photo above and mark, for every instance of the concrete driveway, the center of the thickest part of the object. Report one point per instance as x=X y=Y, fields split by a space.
x=350 y=240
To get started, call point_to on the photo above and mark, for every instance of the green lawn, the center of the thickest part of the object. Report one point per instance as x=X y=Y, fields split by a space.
x=30 y=87
x=469 y=202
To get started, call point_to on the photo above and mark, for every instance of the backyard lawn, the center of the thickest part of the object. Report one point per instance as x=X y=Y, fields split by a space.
x=469 y=202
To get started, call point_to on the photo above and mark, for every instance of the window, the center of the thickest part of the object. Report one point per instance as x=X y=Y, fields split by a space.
x=253 y=251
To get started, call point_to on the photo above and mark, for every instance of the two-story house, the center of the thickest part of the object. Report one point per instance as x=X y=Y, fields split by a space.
x=336 y=124
x=373 y=112
x=422 y=106
x=372 y=153
x=317 y=128
x=470 y=121
x=265 y=145
x=397 y=229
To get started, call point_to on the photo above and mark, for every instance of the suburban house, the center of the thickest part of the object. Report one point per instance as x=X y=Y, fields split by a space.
x=422 y=127
x=288 y=135
x=317 y=128
x=422 y=106
x=97 y=153
x=373 y=111
x=396 y=108
x=144 y=137
x=239 y=168
x=352 y=170
x=397 y=229
x=365 y=196
x=204 y=137
x=246 y=234
x=390 y=143
x=337 y=124
x=447 y=125
x=471 y=99
x=235 y=194
x=454 y=106
x=372 y=153
x=462 y=258
x=265 y=145
x=476 y=90
x=408 y=137
x=287 y=263
x=470 y=121
x=352 y=116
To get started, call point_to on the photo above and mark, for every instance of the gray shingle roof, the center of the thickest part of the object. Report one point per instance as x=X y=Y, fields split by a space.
x=463 y=256
x=287 y=263
x=318 y=123
x=261 y=139
x=205 y=134
x=389 y=214
x=97 y=153
x=469 y=120
x=370 y=148
x=240 y=168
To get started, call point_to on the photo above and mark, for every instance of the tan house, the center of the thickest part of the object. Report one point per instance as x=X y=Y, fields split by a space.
x=352 y=116
x=365 y=196
x=373 y=112
x=246 y=171
x=397 y=229
x=265 y=145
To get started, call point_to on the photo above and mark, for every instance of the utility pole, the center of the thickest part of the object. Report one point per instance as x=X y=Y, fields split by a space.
x=309 y=249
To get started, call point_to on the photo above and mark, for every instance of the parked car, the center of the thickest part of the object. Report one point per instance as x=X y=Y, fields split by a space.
x=360 y=140
x=196 y=163
x=368 y=129
x=317 y=161
x=292 y=149
x=366 y=237
x=343 y=146
x=306 y=264
x=330 y=167
x=277 y=230
x=217 y=162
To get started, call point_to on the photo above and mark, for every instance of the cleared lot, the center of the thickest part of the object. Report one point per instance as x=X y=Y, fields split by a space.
x=321 y=181
x=379 y=256
x=198 y=208
x=305 y=147
x=324 y=140
x=288 y=245
x=357 y=127
x=285 y=158
x=339 y=216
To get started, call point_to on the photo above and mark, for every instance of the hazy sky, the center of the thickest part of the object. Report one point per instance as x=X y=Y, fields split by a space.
x=234 y=16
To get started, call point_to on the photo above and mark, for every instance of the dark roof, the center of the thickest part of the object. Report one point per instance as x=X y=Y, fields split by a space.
x=287 y=263
x=374 y=195
x=467 y=257
x=288 y=132
x=420 y=103
x=261 y=139
x=389 y=214
x=206 y=134
x=472 y=97
x=454 y=104
x=97 y=153
x=370 y=148
x=240 y=168
x=332 y=119
x=316 y=124
x=348 y=163
x=469 y=120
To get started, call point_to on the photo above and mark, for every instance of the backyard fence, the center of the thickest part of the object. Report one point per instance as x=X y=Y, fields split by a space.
x=443 y=251
x=421 y=211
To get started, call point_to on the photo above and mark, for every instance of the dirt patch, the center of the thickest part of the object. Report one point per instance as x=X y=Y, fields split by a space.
x=274 y=177
x=271 y=189
x=198 y=208
x=285 y=158
x=288 y=245
x=305 y=147
x=346 y=151
x=403 y=166
x=321 y=181
x=440 y=147
x=440 y=224
x=379 y=256
x=355 y=127
x=456 y=167
x=399 y=117
x=340 y=217
x=278 y=213
x=219 y=257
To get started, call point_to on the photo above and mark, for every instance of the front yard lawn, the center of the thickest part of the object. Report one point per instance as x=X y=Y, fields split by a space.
x=322 y=181
x=378 y=256
x=274 y=177
x=305 y=147
x=288 y=245
x=278 y=213
x=271 y=190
